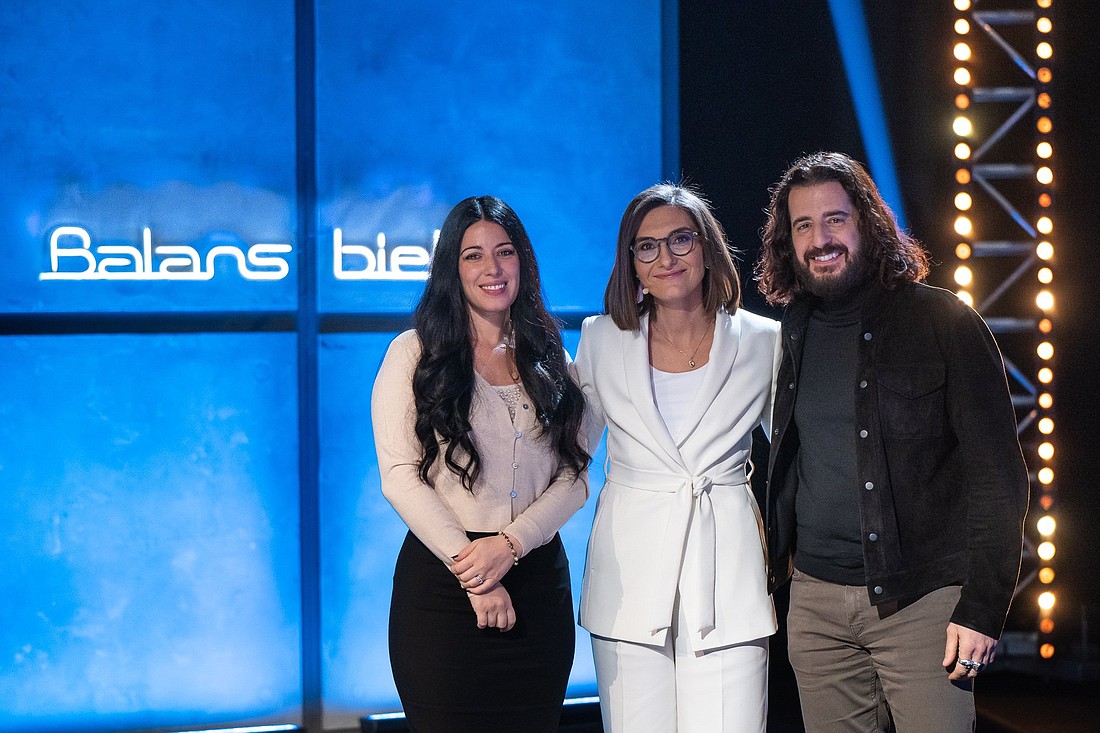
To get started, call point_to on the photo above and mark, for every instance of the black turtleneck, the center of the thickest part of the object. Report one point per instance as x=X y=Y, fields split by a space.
x=827 y=503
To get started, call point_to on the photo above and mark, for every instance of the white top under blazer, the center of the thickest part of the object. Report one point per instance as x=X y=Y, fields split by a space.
x=678 y=516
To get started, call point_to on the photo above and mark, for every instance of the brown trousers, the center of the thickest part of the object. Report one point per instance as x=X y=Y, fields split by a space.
x=858 y=665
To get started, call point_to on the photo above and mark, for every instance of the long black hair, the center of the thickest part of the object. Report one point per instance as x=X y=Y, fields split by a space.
x=443 y=382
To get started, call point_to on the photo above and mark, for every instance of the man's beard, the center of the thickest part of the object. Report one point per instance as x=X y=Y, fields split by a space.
x=829 y=287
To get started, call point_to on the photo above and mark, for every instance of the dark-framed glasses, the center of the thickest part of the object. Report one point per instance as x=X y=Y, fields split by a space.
x=679 y=243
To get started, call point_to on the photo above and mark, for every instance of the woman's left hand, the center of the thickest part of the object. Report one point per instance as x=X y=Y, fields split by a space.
x=482 y=563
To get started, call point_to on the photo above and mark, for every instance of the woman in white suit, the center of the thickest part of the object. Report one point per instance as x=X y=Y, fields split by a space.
x=675 y=591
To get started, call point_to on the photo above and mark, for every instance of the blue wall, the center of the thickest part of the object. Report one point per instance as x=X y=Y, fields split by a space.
x=157 y=335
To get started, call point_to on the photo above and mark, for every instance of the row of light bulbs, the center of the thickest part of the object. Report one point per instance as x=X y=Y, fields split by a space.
x=963 y=128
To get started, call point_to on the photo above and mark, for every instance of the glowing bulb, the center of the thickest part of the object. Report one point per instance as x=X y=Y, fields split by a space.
x=1045 y=350
x=1046 y=376
x=1044 y=250
x=962 y=26
x=962 y=5
x=1047 y=624
x=1044 y=150
x=1044 y=50
x=962 y=101
x=1043 y=3
x=1046 y=550
x=1045 y=225
x=966 y=298
x=1046 y=475
x=1046 y=501
x=1045 y=326
x=1046 y=525
x=962 y=151
x=1046 y=400
x=963 y=275
x=962 y=126
x=962 y=251
x=1046 y=600
x=1046 y=426
x=1044 y=199
x=1046 y=576
x=1043 y=100
x=961 y=51
x=1046 y=651
x=1046 y=451
x=962 y=76
x=963 y=202
x=1044 y=125
x=963 y=226
x=1045 y=275
x=1044 y=175
x=1044 y=75
x=1044 y=25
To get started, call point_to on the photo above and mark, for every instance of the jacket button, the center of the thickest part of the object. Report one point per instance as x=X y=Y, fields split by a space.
x=873 y=537
x=869 y=485
x=794 y=337
x=790 y=386
x=863 y=384
x=863 y=433
x=867 y=336
x=878 y=590
x=775 y=431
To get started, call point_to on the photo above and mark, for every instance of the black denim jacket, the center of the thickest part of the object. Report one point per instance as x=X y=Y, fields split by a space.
x=942 y=484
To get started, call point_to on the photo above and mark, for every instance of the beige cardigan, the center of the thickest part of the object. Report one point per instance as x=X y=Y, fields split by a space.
x=519 y=490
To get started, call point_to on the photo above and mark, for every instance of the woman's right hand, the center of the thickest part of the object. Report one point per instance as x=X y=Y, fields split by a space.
x=494 y=609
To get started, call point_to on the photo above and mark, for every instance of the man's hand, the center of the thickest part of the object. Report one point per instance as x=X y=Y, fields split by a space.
x=967 y=645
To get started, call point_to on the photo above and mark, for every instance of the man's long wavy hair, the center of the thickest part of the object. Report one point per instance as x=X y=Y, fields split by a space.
x=893 y=255
x=443 y=382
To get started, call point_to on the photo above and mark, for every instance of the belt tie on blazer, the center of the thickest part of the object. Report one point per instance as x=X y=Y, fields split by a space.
x=692 y=506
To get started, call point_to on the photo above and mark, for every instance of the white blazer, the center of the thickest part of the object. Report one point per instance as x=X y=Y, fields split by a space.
x=678 y=517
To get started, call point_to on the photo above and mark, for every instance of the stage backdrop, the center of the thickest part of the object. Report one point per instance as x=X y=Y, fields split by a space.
x=214 y=215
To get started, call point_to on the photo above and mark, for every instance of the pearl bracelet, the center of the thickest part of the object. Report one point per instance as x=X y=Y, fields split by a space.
x=511 y=547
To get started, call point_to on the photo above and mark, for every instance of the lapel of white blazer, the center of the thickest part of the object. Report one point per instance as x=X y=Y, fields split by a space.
x=723 y=353
x=639 y=382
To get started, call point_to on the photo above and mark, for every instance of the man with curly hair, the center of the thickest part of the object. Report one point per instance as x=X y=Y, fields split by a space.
x=896 y=484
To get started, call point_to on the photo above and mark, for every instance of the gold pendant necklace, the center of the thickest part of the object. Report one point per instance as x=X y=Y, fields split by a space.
x=690 y=357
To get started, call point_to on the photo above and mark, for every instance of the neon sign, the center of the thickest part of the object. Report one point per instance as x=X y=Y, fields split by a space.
x=404 y=262
x=72 y=257
x=261 y=261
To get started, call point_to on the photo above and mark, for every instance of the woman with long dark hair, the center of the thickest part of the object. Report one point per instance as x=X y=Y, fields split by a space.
x=477 y=423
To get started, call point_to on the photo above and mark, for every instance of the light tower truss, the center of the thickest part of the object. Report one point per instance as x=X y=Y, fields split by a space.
x=1005 y=248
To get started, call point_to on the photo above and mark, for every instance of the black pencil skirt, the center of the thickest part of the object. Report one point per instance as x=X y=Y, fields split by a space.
x=453 y=677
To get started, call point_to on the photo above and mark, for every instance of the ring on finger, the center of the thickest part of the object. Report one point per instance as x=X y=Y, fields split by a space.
x=971 y=666
x=481 y=580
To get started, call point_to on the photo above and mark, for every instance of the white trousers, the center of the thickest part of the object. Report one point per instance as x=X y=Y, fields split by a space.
x=671 y=689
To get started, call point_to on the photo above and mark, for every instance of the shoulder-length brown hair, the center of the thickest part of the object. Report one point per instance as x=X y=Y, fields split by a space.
x=721 y=286
x=897 y=257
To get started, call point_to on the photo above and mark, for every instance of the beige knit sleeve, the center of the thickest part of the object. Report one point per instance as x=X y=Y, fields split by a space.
x=393 y=413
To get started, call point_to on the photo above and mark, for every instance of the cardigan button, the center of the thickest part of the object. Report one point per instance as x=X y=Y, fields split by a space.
x=519 y=434
x=873 y=537
x=867 y=336
x=790 y=386
x=878 y=590
x=513 y=495
x=869 y=485
x=863 y=433
x=515 y=465
x=863 y=384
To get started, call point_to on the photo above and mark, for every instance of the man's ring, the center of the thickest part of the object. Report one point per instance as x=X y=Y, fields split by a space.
x=481 y=580
x=972 y=666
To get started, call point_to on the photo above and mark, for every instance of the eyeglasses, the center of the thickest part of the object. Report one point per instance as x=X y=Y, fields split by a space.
x=679 y=243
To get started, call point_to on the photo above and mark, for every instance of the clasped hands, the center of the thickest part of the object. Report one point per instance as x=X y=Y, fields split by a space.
x=479 y=568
